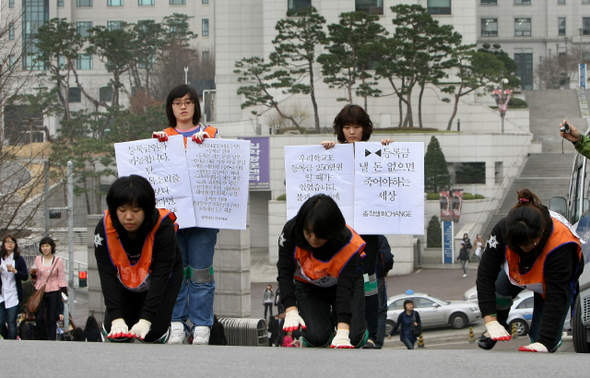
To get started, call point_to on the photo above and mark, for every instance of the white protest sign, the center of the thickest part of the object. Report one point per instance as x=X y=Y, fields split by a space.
x=311 y=170
x=389 y=188
x=219 y=177
x=163 y=164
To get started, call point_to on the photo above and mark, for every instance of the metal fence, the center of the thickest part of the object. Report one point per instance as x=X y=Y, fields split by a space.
x=245 y=331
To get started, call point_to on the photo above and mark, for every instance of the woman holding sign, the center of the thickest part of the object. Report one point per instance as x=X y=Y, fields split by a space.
x=319 y=276
x=351 y=125
x=195 y=300
x=139 y=263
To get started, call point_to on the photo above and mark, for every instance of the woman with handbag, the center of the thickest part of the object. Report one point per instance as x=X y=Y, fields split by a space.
x=13 y=270
x=410 y=325
x=50 y=273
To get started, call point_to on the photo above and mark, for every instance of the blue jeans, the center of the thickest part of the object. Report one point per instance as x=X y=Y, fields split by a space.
x=8 y=318
x=505 y=289
x=317 y=308
x=195 y=300
x=409 y=343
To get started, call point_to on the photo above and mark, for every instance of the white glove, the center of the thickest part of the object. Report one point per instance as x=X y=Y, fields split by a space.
x=119 y=329
x=534 y=347
x=341 y=340
x=293 y=321
x=497 y=331
x=140 y=329
x=200 y=136
x=160 y=135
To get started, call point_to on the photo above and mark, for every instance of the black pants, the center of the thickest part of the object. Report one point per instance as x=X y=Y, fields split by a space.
x=267 y=306
x=47 y=316
x=317 y=308
x=134 y=307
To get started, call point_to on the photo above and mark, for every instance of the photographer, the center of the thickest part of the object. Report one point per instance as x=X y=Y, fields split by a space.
x=581 y=142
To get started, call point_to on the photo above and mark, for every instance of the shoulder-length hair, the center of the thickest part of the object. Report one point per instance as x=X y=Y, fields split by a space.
x=321 y=215
x=352 y=115
x=47 y=240
x=4 y=251
x=179 y=92
x=132 y=190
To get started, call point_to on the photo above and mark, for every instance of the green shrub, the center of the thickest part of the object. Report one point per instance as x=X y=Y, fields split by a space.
x=466 y=196
x=516 y=102
x=433 y=233
x=282 y=197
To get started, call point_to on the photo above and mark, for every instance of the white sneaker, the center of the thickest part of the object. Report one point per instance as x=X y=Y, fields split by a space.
x=201 y=335
x=177 y=334
x=465 y=275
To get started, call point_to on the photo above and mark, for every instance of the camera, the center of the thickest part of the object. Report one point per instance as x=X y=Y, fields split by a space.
x=565 y=128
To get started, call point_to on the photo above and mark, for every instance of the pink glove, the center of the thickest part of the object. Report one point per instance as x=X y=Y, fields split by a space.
x=160 y=135
x=341 y=340
x=293 y=321
x=497 y=331
x=534 y=347
x=119 y=329
x=140 y=329
x=200 y=136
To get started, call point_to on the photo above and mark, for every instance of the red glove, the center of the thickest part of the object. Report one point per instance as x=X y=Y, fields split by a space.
x=160 y=135
x=200 y=136
x=293 y=321
x=534 y=347
x=119 y=329
x=341 y=340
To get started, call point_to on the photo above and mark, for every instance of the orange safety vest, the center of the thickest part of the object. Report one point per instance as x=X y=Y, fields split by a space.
x=534 y=279
x=133 y=277
x=209 y=130
x=325 y=273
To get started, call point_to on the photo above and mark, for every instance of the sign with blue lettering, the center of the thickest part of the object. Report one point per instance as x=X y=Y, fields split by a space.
x=583 y=78
x=447 y=238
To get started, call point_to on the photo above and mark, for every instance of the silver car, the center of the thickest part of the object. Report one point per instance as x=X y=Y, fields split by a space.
x=521 y=313
x=433 y=312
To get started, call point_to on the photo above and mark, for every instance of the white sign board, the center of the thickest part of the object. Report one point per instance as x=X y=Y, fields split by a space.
x=389 y=188
x=311 y=170
x=219 y=179
x=163 y=164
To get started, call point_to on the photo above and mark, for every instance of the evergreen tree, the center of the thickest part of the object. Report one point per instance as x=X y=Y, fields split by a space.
x=433 y=233
x=436 y=173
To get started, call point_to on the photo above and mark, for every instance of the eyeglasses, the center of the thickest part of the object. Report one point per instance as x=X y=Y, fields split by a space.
x=186 y=103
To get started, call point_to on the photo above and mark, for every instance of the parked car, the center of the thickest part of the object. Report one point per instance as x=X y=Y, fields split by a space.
x=470 y=295
x=521 y=313
x=434 y=312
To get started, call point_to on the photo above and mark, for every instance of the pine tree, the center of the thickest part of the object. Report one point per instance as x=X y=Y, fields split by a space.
x=436 y=173
x=433 y=233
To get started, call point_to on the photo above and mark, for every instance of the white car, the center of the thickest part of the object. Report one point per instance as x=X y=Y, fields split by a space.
x=433 y=312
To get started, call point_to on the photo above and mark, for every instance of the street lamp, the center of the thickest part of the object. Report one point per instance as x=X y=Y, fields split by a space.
x=581 y=31
x=502 y=97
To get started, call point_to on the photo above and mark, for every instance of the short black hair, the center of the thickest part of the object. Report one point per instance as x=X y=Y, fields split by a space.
x=408 y=301
x=4 y=251
x=352 y=115
x=321 y=215
x=132 y=190
x=179 y=92
x=47 y=240
x=525 y=221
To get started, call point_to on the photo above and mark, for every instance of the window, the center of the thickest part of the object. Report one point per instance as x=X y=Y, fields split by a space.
x=74 y=95
x=489 y=27
x=83 y=3
x=114 y=25
x=585 y=1
x=586 y=25
x=299 y=4
x=439 y=6
x=146 y=2
x=522 y=27
x=11 y=61
x=83 y=27
x=560 y=1
x=11 y=4
x=205 y=2
x=11 y=32
x=205 y=57
x=60 y=3
x=205 y=27
x=369 y=6
x=470 y=173
x=489 y=2
x=35 y=14
x=115 y=3
x=177 y=2
x=84 y=62
x=561 y=26
x=105 y=94
x=522 y=2
x=525 y=69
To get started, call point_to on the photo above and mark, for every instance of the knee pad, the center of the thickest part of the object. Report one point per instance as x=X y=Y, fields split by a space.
x=363 y=340
x=201 y=276
x=160 y=340
x=503 y=302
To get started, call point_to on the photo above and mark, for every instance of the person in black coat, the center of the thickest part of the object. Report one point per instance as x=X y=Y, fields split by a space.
x=407 y=321
x=13 y=270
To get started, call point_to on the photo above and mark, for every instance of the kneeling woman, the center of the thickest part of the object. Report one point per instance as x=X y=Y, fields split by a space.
x=139 y=262
x=534 y=249
x=319 y=276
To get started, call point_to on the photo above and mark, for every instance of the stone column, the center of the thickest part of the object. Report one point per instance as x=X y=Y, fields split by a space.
x=95 y=299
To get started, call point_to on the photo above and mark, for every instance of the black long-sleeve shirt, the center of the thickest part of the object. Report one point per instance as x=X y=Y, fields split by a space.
x=166 y=257
x=561 y=269
x=286 y=269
